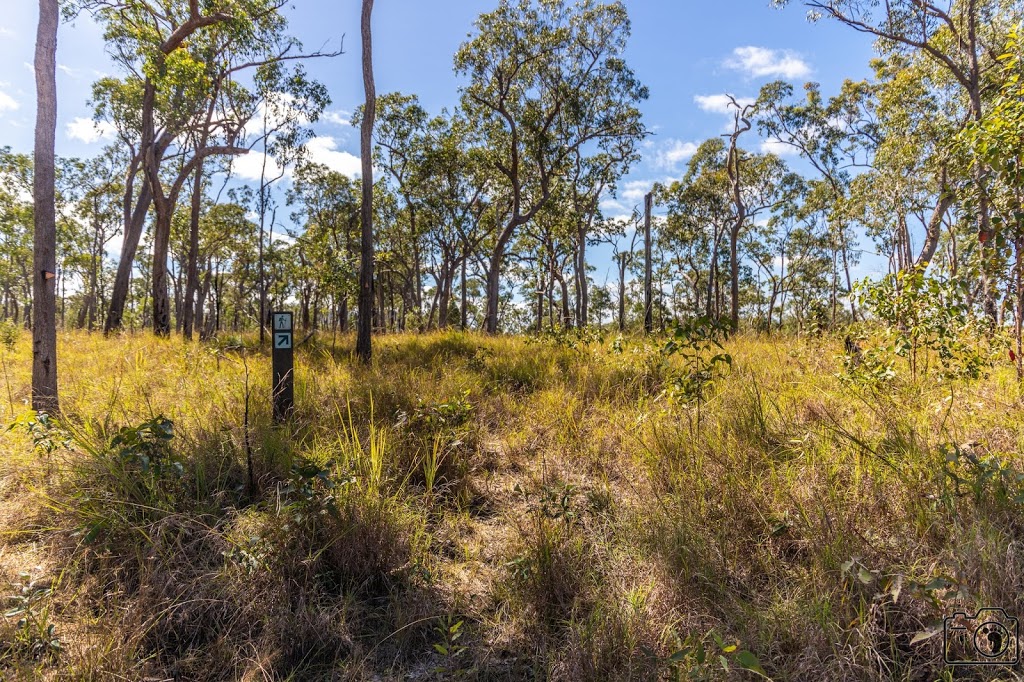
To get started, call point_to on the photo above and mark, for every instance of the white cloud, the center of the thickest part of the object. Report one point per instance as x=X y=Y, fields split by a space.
x=7 y=103
x=609 y=205
x=778 y=148
x=634 y=190
x=674 y=152
x=66 y=69
x=4 y=31
x=250 y=166
x=89 y=131
x=759 y=62
x=324 y=150
x=720 y=104
x=339 y=118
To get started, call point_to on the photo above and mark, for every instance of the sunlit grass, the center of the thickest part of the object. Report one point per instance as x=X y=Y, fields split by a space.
x=579 y=522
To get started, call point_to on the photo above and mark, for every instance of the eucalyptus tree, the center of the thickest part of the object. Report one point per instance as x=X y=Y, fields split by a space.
x=961 y=40
x=16 y=220
x=364 y=341
x=182 y=100
x=734 y=168
x=997 y=141
x=44 y=242
x=546 y=79
x=99 y=208
x=327 y=205
x=699 y=215
x=455 y=188
x=400 y=146
x=836 y=138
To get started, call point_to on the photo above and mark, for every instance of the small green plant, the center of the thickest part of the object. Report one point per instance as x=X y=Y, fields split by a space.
x=573 y=338
x=988 y=476
x=450 y=413
x=696 y=341
x=313 y=490
x=449 y=632
x=557 y=503
x=919 y=314
x=704 y=658
x=35 y=636
x=432 y=461
x=46 y=436
x=250 y=556
x=147 y=446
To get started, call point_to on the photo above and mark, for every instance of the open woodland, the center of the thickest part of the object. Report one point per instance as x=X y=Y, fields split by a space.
x=736 y=460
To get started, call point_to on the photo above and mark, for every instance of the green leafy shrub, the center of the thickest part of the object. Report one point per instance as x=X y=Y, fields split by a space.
x=920 y=315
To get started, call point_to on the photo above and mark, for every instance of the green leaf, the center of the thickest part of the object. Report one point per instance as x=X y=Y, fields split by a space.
x=938 y=583
x=748 y=661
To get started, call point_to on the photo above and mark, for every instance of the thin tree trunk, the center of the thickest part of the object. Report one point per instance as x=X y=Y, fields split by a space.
x=462 y=313
x=122 y=281
x=161 y=302
x=364 y=340
x=192 y=271
x=44 y=331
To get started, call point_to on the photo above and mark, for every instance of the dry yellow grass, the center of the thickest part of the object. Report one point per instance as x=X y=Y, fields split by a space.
x=582 y=524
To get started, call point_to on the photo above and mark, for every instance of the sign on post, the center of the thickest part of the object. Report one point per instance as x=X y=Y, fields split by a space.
x=284 y=364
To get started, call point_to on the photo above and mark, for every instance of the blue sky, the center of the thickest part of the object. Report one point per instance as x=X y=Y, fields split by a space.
x=688 y=52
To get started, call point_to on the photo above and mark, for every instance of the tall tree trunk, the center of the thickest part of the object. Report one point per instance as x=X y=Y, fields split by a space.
x=622 y=292
x=161 y=302
x=200 y=307
x=494 y=277
x=364 y=338
x=582 y=289
x=192 y=270
x=44 y=259
x=122 y=280
x=462 y=312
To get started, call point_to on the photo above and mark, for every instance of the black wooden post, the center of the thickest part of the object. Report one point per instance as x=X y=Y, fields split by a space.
x=284 y=364
x=648 y=294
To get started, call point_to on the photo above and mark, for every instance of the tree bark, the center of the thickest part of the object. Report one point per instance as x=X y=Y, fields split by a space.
x=364 y=337
x=192 y=271
x=122 y=280
x=44 y=331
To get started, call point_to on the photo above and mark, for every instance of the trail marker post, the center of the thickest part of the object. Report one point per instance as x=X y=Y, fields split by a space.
x=284 y=364
x=648 y=294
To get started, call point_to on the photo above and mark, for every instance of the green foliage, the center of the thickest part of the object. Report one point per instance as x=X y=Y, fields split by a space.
x=47 y=435
x=451 y=414
x=35 y=636
x=991 y=478
x=922 y=314
x=695 y=340
x=147 y=446
x=313 y=489
x=449 y=631
x=575 y=338
x=705 y=657
x=8 y=335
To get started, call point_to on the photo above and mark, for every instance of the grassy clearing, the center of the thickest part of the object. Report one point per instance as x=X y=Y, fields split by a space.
x=499 y=509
